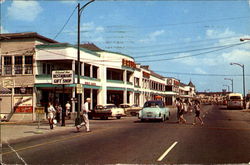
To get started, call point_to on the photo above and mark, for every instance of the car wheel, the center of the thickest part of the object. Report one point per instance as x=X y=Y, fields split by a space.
x=142 y=120
x=118 y=117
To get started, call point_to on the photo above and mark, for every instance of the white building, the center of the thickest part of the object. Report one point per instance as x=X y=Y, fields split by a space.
x=106 y=77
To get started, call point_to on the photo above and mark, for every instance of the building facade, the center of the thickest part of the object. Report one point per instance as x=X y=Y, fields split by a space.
x=106 y=77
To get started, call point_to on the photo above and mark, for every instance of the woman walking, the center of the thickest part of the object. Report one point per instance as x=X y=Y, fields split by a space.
x=51 y=115
x=197 y=112
x=181 y=112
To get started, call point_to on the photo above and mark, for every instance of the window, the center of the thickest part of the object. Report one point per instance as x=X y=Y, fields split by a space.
x=28 y=67
x=28 y=90
x=44 y=68
x=137 y=82
x=7 y=65
x=18 y=65
x=87 y=70
x=95 y=72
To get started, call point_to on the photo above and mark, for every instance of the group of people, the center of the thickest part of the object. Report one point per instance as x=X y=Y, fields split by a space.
x=188 y=106
x=54 y=114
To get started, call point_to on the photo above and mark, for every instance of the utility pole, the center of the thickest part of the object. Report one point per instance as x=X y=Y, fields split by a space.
x=79 y=92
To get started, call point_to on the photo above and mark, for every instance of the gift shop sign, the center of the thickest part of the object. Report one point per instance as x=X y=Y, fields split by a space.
x=62 y=77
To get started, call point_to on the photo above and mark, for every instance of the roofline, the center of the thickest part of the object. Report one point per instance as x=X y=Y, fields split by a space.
x=10 y=36
x=66 y=45
x=116 y=53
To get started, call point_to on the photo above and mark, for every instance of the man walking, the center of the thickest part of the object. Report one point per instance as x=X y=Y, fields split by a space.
x=85 y=110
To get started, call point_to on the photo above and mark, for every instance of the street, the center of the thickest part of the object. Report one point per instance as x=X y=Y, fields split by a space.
x=224 y=138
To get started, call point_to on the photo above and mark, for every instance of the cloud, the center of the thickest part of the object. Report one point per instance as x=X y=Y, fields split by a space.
x=93 y=33
x=68 y=1
x=237 y=55
x=2 y=30
x=210 y=33
x=200 y=71
x=2 y=1
x=24 y=10
x=201 y=61
x=153 y=36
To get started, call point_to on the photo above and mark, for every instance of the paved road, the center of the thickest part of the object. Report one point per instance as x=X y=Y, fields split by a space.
x=223 y=139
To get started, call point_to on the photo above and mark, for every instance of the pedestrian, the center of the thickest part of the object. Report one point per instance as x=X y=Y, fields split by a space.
x=51 y=114
x=58 y=113
x=178 y=107
x=85 y=110
x=190 y=106
x=197 y=112
x=181 y=113
x=67 y=106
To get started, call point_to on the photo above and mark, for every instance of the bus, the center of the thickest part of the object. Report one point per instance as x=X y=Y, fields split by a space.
x=234 y=101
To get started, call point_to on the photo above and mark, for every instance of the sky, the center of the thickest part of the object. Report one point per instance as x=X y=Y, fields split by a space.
x=190 y=40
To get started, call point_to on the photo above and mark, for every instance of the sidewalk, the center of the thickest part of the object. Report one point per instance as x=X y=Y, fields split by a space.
x=16 y=130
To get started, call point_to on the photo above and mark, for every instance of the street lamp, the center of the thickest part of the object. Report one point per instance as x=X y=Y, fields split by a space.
x=80 y=10
x=243 y=74
x=232 y=83
x=227 y=87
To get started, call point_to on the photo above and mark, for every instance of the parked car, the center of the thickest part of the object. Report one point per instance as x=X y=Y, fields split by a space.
x=130 y=110
x=154 y=109
x=106 y=111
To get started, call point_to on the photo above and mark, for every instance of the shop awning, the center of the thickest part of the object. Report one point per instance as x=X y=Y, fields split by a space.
x=52 y=85
x=92 y=87
x=115 y=88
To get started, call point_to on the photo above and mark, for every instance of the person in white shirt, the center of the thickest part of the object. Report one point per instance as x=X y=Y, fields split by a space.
x=67 y=106
x=51 y=115
x=85 y=110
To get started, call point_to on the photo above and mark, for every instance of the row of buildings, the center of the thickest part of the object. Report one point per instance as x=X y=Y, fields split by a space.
x=29 y=59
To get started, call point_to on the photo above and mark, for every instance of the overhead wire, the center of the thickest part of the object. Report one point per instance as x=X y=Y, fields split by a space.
x=60 y=31
x=186 y=51
x=187 y=56
x=199 y=74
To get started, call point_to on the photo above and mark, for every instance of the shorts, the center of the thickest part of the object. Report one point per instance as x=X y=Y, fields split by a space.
x=181 y=112
x=197 y=113
x=50 y=115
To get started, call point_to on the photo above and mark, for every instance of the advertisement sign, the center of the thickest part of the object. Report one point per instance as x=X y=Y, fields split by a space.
x=62 y=77
x=79 y=88
x=23 y=104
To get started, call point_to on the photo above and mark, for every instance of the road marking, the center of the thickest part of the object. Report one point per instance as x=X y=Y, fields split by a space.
x=17 y=154
x=166 y=152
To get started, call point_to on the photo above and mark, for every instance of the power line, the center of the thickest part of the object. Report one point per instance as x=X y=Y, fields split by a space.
x=199 y=74
x=65 y=24
x=186 y=51
x=187 y=56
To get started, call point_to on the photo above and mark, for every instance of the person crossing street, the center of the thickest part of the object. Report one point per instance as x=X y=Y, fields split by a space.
x=85 y=110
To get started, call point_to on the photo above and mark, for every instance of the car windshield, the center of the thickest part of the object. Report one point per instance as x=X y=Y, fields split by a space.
x=235 y=97
x=153 y=104
x=110 y=106
x=123 y=106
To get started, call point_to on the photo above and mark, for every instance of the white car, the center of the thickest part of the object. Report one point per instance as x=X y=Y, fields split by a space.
x=115 y=111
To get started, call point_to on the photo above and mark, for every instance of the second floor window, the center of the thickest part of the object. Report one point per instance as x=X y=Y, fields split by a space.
x=28 y=67
x=7 y=65
x=18 y=65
